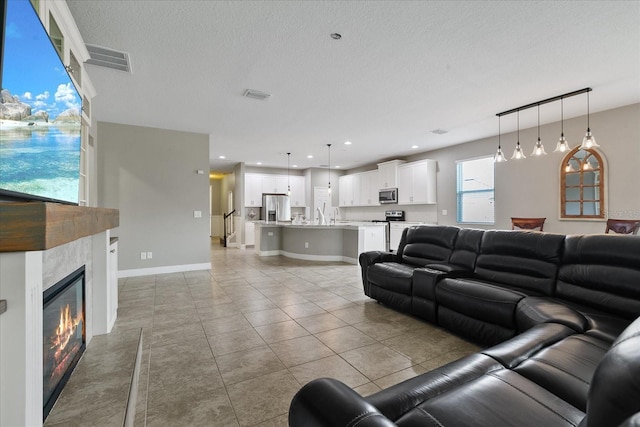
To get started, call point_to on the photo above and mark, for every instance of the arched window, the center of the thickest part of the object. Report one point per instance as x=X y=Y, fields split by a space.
x=582 y=184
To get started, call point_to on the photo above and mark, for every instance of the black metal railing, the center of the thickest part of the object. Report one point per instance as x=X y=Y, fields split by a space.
x=228 y=226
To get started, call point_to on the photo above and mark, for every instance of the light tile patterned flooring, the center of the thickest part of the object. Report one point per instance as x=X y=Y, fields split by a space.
x=231 y=346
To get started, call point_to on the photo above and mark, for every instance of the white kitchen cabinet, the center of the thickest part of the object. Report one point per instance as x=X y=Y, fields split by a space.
x=253 y=190
x=388 y=174
x=366 y=188
x=249 y=233
x=417 y=183
x=274 y=184
x=298 y=193
x=345 y=190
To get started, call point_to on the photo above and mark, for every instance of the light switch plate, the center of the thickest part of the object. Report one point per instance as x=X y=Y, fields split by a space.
x=197 y=214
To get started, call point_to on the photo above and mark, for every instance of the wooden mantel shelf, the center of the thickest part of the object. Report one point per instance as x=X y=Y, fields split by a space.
x=36 y=226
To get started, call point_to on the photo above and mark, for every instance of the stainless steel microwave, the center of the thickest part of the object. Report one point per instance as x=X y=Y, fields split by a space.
x=388 y=196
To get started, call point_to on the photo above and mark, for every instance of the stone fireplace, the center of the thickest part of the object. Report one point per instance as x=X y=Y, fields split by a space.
x=41 y=244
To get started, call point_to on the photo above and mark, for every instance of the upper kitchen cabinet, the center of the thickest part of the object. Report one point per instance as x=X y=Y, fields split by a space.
x=274 y=184
x=366 y=191
x=388 y=174
x=256 y=183
x=345 y=191
x=298 y=193
x=359 y=189
x=417 y=183
x=253 y=190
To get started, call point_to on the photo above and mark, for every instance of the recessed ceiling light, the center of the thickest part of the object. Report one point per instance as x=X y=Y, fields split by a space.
x=221 y=157
x=309 y=156
x=337 y=167
x=258 y=163
x=347 y=143
x=414 y=147
x=294 y=166
x=336 y=36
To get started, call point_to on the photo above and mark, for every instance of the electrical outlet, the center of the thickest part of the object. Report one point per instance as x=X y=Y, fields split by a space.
x=306 y=245
x=143 y=255
x=197 y=214
x=269 y=233
x=149 y=255
x=444 y=212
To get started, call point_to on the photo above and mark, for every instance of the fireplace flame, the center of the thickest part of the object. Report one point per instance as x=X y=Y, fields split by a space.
x=65 y=331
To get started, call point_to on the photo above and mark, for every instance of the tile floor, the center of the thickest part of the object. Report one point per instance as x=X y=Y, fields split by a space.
x=231 y=346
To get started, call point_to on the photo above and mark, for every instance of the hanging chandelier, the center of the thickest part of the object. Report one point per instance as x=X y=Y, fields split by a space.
x=588 y=141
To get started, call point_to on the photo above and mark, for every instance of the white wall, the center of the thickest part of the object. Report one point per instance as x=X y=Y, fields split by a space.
x=530 y=187
x=150 y=175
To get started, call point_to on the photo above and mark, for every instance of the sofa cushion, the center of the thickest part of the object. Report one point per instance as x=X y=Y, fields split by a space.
x=521 y=259
x=392 y=276
x=496 y=399
x=566 y=368
x=427 y=244
x=602 y=271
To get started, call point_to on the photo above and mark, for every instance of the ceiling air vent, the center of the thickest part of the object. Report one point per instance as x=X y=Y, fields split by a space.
x=256 y=94
x=109 y=58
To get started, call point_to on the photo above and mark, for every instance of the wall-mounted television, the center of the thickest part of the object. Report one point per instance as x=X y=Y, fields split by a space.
x=40 y=113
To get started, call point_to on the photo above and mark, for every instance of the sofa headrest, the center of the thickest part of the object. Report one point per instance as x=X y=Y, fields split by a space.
x=467 y=248
x=602 y=271
x=522 y=259
x=614 y=394
x=427 y=244
x=603 y=249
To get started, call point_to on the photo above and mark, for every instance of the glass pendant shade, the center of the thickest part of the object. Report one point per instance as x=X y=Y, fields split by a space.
x=538 y=150
x=518 y=153
x=562 y=145
x=589 y=141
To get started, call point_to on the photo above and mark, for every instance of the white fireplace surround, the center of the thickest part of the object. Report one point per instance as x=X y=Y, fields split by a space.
x=23 y=278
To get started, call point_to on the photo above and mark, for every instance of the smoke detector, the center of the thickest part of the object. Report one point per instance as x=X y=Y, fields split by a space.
x=108 y=58
x=256 y=94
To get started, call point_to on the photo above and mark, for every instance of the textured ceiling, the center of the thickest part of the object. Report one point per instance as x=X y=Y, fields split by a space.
x=401 y=70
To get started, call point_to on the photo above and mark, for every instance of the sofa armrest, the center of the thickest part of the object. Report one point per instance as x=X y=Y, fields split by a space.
x=424 y=282
x=452 y=270
x=372 y=257
x=327 y=402
x=367 y=259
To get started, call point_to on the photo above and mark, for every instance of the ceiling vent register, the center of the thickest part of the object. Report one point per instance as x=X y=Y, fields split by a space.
x=108 y=58
x=256 y=94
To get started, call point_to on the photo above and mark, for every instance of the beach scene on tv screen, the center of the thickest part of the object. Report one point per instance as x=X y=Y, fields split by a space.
x=40 y=112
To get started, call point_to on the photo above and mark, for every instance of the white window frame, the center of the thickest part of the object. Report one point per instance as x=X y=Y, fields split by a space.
x=485 y=186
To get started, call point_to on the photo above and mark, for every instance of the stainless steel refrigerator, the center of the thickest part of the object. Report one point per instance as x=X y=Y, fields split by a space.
x=275 y=207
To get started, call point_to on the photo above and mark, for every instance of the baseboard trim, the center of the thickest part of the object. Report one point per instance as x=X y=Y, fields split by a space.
x=163 y=270
x=309 y=257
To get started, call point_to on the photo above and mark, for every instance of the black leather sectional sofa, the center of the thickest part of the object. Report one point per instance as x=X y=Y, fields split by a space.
x=557 y=310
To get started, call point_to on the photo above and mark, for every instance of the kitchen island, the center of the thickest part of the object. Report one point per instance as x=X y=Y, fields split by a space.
x=343 y=241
